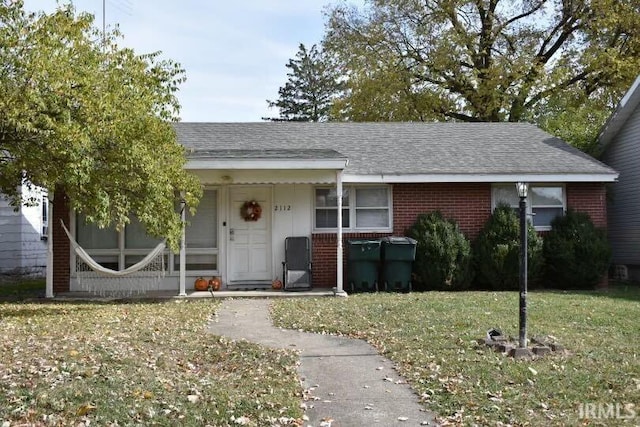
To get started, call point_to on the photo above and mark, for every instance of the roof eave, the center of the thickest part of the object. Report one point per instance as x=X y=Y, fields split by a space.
x=442 y=178
x=625 y=108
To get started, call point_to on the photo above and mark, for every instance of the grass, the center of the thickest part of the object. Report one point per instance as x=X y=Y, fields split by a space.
x=137 y=363
x=19 y=289
x=433 y=339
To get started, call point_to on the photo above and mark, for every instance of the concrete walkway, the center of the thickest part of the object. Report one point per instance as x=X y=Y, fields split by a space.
x=349 y=383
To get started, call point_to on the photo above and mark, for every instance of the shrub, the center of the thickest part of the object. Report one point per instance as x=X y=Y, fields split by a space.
x=497 y=252
x=577 y=253
x=443 y=254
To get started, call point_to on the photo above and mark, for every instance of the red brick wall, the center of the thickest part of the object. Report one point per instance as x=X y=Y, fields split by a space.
x=61 y=246
x=590 y=198
x=469 y=204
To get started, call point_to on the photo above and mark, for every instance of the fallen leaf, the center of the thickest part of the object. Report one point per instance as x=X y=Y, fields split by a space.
x=85 y=409
x=326 y=422
x=243 y=421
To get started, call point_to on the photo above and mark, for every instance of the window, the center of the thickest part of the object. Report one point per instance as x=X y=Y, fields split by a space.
x=327 y=208
x=113 y=249
x=119 y=250
x=201 y=236
x=544 y=202
x=45 y=217
x=363 y=208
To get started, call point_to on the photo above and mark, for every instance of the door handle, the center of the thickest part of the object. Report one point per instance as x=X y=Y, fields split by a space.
x=232 y=234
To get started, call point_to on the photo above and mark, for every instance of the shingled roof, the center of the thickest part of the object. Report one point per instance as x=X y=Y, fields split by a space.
x=400 y=149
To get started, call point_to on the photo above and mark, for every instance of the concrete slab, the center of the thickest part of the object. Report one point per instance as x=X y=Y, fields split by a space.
x=348 y=382
x=265 y=293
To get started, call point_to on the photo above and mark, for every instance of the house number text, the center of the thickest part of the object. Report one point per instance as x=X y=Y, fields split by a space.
x=281 y=208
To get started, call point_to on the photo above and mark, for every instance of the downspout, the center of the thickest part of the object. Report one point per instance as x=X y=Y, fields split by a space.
x=183 y=252
x=49 y=273
x=339 y=268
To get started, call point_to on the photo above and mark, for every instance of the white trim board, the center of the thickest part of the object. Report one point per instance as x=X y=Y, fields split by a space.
x=489 y=178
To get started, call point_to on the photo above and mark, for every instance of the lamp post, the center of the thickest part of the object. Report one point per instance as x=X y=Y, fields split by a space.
x=522 y=188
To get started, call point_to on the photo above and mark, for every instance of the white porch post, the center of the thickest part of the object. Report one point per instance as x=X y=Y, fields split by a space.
x=339 y=270
x=49 y=277
x=183 y=252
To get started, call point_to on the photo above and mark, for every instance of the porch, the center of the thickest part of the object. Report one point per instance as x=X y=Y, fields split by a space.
x=168 y=294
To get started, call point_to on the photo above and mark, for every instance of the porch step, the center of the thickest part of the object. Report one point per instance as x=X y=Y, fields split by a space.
x=248 y=286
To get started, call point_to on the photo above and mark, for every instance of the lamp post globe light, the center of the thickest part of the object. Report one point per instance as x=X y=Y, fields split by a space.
x=523 y=188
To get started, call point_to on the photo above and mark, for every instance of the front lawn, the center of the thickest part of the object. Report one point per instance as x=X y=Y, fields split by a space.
x=21 y=289
x=433 y=338
x=142 y=363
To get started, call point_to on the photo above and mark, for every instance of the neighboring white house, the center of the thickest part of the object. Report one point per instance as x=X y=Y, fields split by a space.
x=23 y=234
x=620 y=141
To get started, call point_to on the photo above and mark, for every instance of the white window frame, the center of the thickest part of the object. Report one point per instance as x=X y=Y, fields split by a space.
x=530 y=206
x=44 y=211
x=352 y=208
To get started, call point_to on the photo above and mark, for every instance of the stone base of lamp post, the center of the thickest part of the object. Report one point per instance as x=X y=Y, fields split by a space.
x=521 y=353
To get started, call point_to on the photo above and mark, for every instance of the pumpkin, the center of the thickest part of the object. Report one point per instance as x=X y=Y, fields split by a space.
x=200 y=284
x=214 y=283
x=276 y=284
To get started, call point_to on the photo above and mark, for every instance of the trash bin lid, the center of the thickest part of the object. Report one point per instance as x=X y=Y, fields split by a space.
x=364 y=242
x=398 y=240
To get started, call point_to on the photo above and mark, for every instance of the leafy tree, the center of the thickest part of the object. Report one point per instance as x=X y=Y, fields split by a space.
x=443 y=253
x=482 y=60
x=576 y=118
x=311 y=87
x=90 y=120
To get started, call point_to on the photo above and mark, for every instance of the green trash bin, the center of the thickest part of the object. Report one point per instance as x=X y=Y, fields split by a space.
x=363 y=262
x=398 y=254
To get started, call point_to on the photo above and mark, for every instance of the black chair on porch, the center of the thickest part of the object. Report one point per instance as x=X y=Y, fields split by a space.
x=296 y=268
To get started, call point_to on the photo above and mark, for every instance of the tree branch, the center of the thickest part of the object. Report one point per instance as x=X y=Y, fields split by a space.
x=542 y=94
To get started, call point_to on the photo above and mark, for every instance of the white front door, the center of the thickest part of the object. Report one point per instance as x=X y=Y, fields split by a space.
x=249 y=241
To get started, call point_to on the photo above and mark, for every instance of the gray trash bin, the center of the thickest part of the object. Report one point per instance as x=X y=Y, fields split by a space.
x=398 y=254
x=362 y=265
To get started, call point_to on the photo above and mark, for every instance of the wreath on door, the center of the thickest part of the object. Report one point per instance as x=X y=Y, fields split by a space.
x=251 y=211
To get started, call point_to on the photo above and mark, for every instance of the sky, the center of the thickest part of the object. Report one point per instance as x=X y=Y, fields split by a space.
x=234 y=52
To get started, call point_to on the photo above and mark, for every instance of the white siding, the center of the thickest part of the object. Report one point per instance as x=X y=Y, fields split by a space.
x=291 y=217
x=22 y=251
x=623 y=154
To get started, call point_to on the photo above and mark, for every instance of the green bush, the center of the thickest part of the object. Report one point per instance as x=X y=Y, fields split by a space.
x=577 y=253
x=496 y=252
x=443 y=254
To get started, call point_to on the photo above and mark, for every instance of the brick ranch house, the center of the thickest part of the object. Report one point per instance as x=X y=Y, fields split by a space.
x=389 y=173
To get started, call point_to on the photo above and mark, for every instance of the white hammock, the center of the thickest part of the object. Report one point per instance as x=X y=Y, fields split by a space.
x=137 y=278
